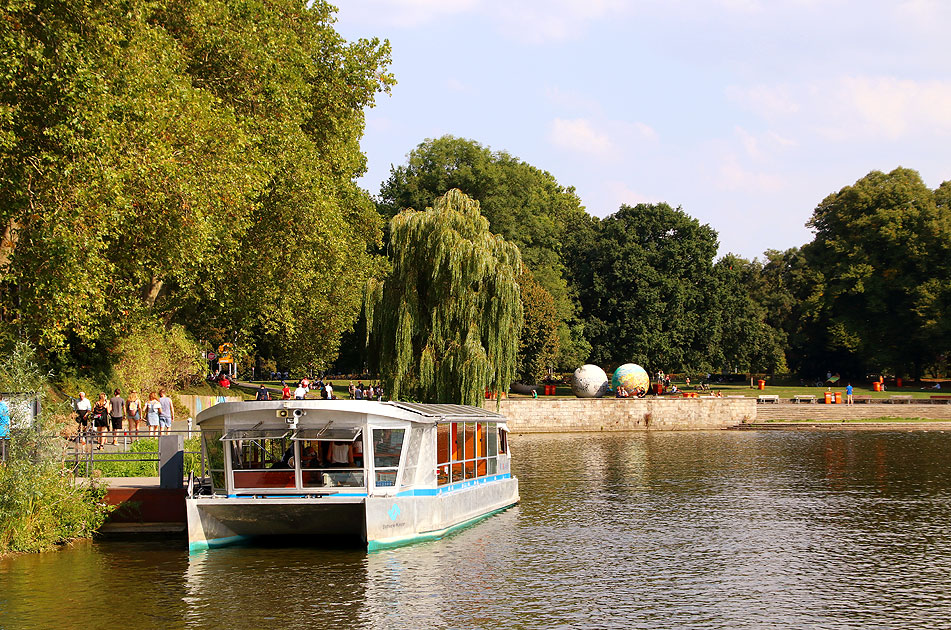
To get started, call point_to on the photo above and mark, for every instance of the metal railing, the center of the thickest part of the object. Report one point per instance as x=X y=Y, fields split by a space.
x=86 y=449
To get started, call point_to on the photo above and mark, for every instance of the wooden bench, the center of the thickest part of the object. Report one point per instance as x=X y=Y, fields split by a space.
x=804 y=398
x=861 y=399
x=899 y=399
x=765 y=398
x=939 y=399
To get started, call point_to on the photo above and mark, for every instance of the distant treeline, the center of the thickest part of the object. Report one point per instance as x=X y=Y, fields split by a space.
x=871 y=293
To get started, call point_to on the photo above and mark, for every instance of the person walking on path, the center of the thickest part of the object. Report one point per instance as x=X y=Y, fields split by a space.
x=301 y=392
x=166 y=413
x=285 y=391
x=117 y=414
x=133 y=411
x=83 y=408
x=152 y=409
x=848 y=394
x=100 y=419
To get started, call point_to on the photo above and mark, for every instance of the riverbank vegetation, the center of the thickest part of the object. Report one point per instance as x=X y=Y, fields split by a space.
x=41 y=505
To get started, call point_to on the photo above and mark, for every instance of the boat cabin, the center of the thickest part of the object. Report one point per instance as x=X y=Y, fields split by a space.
x=350 y=448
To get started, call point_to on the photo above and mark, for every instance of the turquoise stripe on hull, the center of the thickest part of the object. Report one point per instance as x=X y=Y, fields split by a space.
x=215 y=543
x=376 y=545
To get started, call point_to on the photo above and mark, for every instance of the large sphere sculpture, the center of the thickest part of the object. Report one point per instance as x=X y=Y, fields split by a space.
x=589 y=381
x=630 y=376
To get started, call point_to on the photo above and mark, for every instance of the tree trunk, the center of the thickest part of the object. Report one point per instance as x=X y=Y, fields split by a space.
x=152 y=290
x=8 y=242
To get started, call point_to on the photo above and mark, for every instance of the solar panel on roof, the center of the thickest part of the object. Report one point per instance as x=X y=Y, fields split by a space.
x=446 y=411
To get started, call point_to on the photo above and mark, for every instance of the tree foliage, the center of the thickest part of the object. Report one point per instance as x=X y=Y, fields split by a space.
x=538 y=344
x=882 y=247
x=187 y=161
x=446 y=321
x=523 y=204
x=645 y=288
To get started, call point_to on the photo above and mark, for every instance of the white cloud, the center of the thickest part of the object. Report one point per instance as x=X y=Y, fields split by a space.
x=761 y=147
x=538 y=21
x=572 y=100
x=526 y=21
x=407 y=13
x=893 y=108
x=456 y=85
x=733 y=176
x=619 y=193
x=579 y=135
x=854 y=107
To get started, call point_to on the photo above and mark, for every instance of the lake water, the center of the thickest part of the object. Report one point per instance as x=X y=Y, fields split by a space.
x=660 y=530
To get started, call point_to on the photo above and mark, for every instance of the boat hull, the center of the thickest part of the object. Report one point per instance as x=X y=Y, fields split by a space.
x=378 y=522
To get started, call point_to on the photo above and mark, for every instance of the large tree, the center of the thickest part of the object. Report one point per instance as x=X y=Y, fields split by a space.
x=184 y=162
x=882 y=247
x=646 y=289
x=524 y=204
x=747 y=340
x=446 y=321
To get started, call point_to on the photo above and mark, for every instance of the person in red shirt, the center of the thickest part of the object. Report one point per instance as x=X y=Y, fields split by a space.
x=286 y=392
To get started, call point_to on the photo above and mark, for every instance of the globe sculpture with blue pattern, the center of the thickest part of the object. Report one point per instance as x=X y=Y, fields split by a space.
x=589 y=381
x=630 y=376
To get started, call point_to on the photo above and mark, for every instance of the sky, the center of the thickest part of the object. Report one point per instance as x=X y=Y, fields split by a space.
x=745 y=113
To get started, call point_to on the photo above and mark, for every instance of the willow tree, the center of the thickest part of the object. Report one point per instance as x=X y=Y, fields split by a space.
x=446 y=321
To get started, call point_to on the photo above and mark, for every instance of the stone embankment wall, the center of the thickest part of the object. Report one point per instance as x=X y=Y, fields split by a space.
x=556 y=415
x=862 y=411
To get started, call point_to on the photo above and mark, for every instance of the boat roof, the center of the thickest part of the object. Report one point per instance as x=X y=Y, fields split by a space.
x=413 y=412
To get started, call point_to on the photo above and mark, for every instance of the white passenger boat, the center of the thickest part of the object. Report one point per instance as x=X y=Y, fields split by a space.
x=382 y=473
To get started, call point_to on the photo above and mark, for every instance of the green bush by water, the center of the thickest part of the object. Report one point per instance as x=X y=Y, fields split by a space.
x=41 y=505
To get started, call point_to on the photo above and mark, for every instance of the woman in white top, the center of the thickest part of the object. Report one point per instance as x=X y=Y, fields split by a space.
x=83 y=407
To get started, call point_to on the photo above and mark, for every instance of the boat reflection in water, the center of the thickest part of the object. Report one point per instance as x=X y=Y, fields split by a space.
x=383 y=474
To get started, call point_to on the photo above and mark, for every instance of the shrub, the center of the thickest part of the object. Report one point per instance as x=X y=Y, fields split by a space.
x=154 y=358
x=40 y=503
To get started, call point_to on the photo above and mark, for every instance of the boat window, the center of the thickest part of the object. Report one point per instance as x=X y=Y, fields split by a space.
x=473 y=449
x=493 y=435
x=335 y=434
x=480 y=450
x=443 y=453
x=262 y=462
x=458 y=451
x=387 y=447
x=503 y=441
x=470 y=450
x=214 y=457
x=254 y=434
x=412 y=456
x=317 y=470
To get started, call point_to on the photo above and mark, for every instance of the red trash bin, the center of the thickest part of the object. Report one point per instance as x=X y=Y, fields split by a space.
x=898 y=382
x=876 y=386
x=838 y=398
x=828 y=398
x=761 y=383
